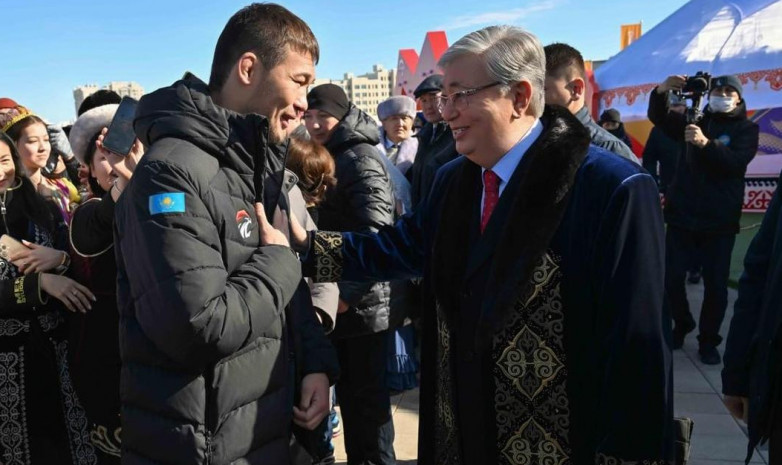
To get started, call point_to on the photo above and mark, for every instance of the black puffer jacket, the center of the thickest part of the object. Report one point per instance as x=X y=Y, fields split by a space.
x=707 y=190
x=206 y=354
x=363 y=201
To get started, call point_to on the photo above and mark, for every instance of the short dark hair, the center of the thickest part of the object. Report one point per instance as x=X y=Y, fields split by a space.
x=562 y=57
x=98 y=99
x=264 y=29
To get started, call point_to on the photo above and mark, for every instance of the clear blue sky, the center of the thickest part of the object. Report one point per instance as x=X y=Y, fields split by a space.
x=53 y=46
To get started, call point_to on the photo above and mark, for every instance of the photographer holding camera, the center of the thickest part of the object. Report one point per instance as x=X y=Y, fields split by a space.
x=704 y=200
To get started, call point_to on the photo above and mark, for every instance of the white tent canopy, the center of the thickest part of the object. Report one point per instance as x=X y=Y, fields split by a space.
x=742 y=37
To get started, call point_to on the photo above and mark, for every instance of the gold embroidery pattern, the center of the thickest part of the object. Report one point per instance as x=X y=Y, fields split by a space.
x=533 y=445
x=530 y=374
x=328 y=256
x=109 y=444
x=530 y=363
x=540 y=277
x=602 y=459
x=446 y=431
x=19 y=291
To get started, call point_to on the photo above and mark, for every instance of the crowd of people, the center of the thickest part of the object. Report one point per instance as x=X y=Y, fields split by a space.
x=267 y=250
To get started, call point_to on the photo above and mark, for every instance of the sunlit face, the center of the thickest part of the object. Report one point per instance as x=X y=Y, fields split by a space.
x=429 y=107
x=281 y=93
x=398 y=128
x=101 y=170
x=34 y=147
x=482 y=128
x=558 y=90
x=320 y=125
x=7 y=171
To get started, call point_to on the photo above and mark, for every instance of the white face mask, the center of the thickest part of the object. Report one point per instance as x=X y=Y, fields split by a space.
x=722 y=104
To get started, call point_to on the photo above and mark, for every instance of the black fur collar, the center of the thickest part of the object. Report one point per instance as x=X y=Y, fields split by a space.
x=540 y=189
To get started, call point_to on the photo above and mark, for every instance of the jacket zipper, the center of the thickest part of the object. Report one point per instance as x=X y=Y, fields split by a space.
x=208 y=447
x=208 y=415
x=3 y=211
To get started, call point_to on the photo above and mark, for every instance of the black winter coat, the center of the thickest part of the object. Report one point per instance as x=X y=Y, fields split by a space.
x=95 y=360
x=435 y=149
x=363 y=201
x=707 y=191
x=206 y=351
x=660 y=156
x=753 y=352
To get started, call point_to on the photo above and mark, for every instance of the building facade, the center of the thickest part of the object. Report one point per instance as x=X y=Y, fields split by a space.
x=123 y=88
x=367 y=90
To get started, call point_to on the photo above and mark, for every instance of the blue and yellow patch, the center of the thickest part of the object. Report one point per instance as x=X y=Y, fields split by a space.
x=169 y=202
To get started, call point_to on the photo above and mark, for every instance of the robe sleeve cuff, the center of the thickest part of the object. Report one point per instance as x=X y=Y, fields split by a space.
x=324 y=261
x=25 y=292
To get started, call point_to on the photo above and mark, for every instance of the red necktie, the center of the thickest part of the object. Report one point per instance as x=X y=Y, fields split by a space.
x=491 y=194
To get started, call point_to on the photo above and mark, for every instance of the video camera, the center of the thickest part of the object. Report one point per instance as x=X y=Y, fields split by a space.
x=694 y=89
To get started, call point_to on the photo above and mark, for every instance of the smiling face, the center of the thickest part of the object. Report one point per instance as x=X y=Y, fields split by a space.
x=320 y=125
x=7 y=169
x=398 y=128
x=34 y=147
x=486 y=128
x=280 y=93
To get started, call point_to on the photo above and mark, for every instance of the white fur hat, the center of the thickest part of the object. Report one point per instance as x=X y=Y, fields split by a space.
x=397 y=105
x=90 y=123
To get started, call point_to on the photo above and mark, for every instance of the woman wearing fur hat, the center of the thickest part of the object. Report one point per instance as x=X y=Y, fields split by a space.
x=396 y=133
x=95 y=359
x=41 y=419
x=29 y=133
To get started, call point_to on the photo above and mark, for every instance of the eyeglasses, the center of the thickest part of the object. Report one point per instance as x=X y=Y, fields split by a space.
x=460 y=100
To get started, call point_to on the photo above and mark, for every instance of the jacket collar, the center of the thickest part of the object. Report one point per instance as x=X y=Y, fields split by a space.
x=532 y=210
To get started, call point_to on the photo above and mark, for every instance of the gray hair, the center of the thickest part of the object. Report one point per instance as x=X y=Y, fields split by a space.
x=511 y=55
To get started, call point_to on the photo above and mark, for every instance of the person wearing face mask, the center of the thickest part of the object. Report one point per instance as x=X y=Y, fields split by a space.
x=611 y=121
x=703 y=201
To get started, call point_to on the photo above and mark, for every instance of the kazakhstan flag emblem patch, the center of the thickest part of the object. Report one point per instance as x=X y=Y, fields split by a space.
x=169 y=202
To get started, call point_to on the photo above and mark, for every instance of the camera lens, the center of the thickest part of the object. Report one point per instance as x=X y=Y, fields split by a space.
x=699 y=84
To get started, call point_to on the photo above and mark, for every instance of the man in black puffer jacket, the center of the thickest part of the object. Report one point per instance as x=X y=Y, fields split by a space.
x=703 y=202
x=363 y=201
x=205 y=338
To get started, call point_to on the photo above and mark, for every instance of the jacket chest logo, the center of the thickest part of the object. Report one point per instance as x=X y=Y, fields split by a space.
x=725 y=139
x=244 y=223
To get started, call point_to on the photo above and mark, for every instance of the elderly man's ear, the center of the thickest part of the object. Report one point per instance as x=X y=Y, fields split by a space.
x=522 y=96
